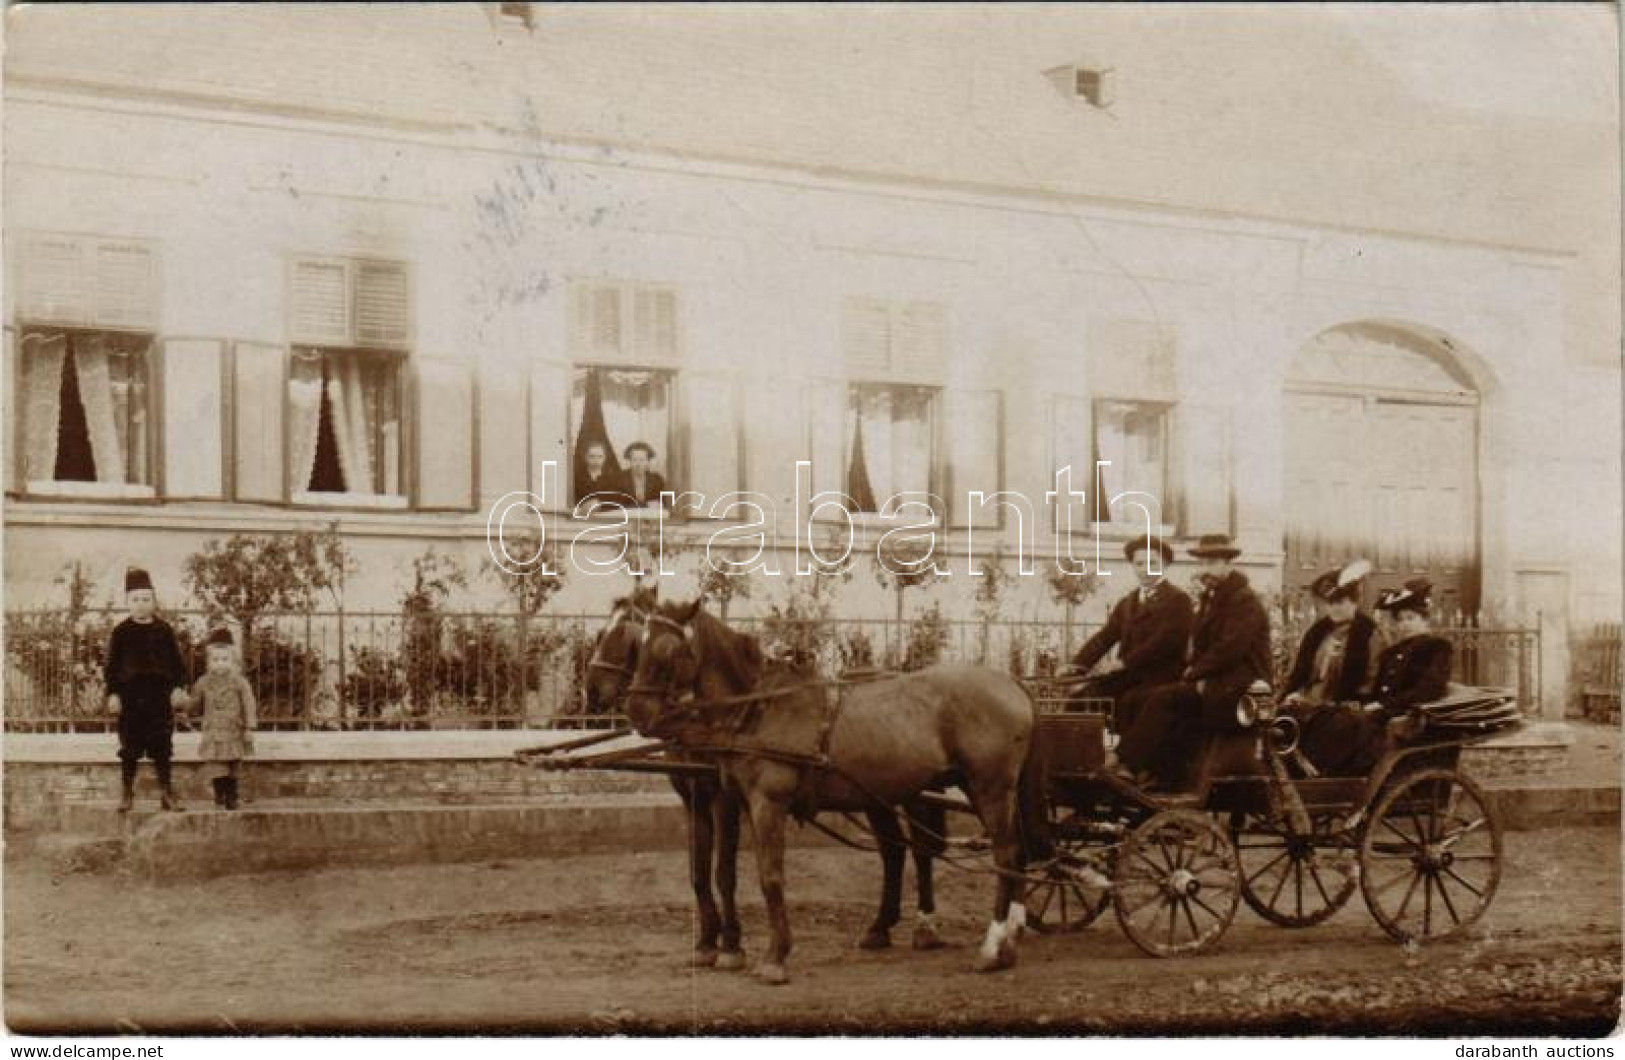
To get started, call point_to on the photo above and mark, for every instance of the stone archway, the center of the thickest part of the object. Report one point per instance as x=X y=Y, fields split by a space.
x=1381 y=461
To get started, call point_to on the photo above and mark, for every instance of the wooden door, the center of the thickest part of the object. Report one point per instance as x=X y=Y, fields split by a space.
x=1393 y=480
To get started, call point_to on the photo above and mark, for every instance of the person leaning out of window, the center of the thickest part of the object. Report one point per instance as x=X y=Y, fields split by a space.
x=641 y=485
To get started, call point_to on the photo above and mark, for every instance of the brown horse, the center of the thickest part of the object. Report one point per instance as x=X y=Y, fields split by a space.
x=713 y=814
x=786 y=747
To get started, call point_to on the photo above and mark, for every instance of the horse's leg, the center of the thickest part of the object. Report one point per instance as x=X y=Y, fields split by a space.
x=927 y=835
x=767 y=825
x=697 y=798
x=889 y=839
x=726 y=817
x=996 y=804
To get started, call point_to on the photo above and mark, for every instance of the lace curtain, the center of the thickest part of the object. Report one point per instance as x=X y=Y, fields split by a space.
x=635 y=406
x=894 y=426
x=363 y=415
x=110 y=377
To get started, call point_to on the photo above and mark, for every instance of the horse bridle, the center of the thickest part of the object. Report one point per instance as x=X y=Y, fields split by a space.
x=622 y=669
x=668 y=692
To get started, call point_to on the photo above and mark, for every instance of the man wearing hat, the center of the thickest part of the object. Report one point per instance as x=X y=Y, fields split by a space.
x=146 y=682
x=1230 y=649
x=1414 y=670
x=1148 y=627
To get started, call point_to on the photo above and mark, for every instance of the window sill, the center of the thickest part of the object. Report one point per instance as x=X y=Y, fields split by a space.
x=391 y=501
x=92 y=490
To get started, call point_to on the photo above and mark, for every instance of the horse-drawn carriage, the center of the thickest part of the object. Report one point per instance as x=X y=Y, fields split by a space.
x=1255 y=823
x=1416 y=836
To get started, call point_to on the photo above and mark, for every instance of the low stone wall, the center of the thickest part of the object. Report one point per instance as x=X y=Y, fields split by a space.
x=47 y=776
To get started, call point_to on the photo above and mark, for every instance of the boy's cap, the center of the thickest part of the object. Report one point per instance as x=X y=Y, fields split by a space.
x=219 y=635
x=136 y=578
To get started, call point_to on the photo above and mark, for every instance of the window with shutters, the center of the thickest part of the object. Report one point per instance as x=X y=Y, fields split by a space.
x=1131 y=453
x=621 y=436
x=80 y=281
x=891 y=432
x=351 y=324
x=86 y=410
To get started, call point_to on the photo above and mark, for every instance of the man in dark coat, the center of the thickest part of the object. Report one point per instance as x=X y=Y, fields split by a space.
x=1230 y=649
x=1149 y=628
x=1414 y=670
x=146 y=680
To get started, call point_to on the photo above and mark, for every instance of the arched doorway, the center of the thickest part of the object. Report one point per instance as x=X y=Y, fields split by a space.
x=1382 y=461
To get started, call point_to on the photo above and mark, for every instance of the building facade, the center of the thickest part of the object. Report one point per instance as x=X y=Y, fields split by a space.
x=378 y=285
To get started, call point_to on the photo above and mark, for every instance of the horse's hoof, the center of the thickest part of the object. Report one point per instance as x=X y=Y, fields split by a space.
x=926 y=938
x=730 y=961
x=705 y=957
x=875 y=939
x=1004 y=958
x=772 y=974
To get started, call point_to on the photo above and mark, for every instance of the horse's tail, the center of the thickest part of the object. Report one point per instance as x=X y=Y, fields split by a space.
x=1032 y=807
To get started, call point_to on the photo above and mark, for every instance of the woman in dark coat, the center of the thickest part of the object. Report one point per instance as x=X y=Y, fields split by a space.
x=1336 y=665
x=1414 y=670
x=642 y=485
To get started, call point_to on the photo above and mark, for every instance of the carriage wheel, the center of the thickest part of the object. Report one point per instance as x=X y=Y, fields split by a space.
x=1294 y=881
x=1067 y=899
x=1176 y=883
x=1430 y=859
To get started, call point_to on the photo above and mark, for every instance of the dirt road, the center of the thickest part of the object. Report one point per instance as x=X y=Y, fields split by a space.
x=599 y=944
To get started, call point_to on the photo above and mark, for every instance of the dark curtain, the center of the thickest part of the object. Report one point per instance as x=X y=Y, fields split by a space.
x=592 y=430
x=857 y=475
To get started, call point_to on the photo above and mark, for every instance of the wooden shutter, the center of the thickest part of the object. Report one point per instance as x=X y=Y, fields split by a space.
x=866 y=339
x=920 y=341
x=1072 y=443
x=775 y=437
x=826 y=428
x=320 y=303
x=444 y=460
x=654 y=325
x=259 y=395
x=1202 y=444
x=53 y=280
x=550 y=431
x=975 y=444
x=194 y=418
x=711 y=433
x=124 y=277
x=8 y=413
x=383 y=304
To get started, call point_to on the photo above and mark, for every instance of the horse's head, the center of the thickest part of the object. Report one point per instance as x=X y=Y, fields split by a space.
x=684 y=652
x=615 y=651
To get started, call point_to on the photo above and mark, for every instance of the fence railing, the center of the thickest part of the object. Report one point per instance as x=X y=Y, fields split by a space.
x=394 y=671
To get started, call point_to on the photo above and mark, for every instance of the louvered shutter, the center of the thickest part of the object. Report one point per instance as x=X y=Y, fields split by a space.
x=1202 y=435
x=550 y=432
x=826 y=426
x=654 y=326
x=867 y=339
x=775 y=437
x=712 y=435
x=445 y=435
x=383 y=304
x=125 y=285
x=194 y=418
x=920 y=341
x=974 y=437
x=321 y=303
x=53 y=280
x=1071 y=444
x=258 y=397
x=597 y=327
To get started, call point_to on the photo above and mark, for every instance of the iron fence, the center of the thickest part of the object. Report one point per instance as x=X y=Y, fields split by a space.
x=488 y=670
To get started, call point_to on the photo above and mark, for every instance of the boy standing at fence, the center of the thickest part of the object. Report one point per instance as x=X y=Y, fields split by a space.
x=228 y=719
x=146 y=683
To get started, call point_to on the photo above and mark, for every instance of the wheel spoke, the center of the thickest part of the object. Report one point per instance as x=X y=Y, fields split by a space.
x=1444 y=897
x=1207 y=908
x=1409 y=891
x=1314 y=874
x=1297 y=883
x=1413 y=844
x=1190 y=918
x=1427 y=904
x=1279 y=886
x=1272 y=862
x=1476 y=892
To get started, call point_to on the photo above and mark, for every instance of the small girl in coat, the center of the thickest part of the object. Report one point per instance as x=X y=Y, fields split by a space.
x=228 y=719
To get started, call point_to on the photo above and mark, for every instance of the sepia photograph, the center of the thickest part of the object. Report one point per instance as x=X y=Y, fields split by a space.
x=793 y=519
